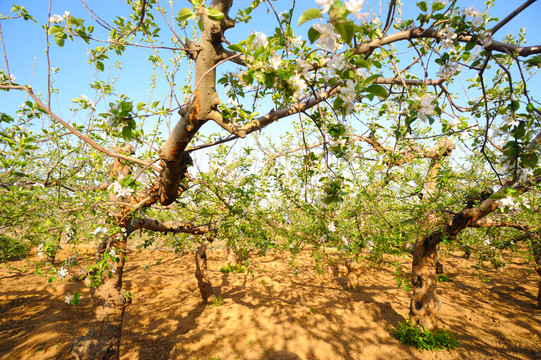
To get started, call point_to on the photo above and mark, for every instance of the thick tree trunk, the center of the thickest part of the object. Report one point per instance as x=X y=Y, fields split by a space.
x=201 y=274
x=424 y=302
x=103 y=338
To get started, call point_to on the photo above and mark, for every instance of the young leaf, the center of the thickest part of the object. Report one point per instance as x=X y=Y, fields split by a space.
x=377 y=90
x=215 y=14
x=309 y=14
x=184 y=14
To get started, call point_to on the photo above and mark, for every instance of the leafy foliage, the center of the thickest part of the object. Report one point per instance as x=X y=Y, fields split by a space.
x=413 y=335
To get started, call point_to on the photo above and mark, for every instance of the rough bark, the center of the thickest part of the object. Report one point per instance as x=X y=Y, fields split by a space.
x=203 y=106
x=201 y=274
x=103 y=338
x=424 y=302
x=536 y=249
x=354 y=275
x=236 y=257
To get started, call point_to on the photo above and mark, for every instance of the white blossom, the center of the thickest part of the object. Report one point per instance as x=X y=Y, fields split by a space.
x=299 y=84
x=369 y=245
x=66 y=14
x=275 y=62
x=348 y=95
x=55 y=19
x=510 y=120
x=448 y=69
x=325 y=5
x=426 y=107
x=336 y=62
x=444 y=2
x=99 y=229
x=291 y=246
x=486 y=40
x=355 y=6
x=471 y=12
x=40 y=251
x=507 y=201
x=477 y=21
x=118 y=190
x=260 y=39
x=68 y=299
x=112 y=253
x=447 y=37
x=331 y=227
x=63 y=272
x=327 y=36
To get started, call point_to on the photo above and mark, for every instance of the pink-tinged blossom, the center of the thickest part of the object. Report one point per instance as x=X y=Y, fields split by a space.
x=55 y=19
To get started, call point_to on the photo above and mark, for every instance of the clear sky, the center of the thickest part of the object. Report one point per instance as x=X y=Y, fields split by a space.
x=25 y=45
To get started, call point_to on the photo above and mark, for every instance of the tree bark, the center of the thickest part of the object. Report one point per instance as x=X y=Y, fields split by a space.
x=201 y=274
x=535 y=240
x=424 y=302
x=103 y=338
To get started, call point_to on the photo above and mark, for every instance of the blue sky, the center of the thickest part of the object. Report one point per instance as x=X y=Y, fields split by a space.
x=25 y=45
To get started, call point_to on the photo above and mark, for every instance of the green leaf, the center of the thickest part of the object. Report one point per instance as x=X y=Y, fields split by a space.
x=59 y=38
x=184 y=14
x=99 y=66
x=377 y=90
x=313 y=35
x=55 y=29
x=511 y=191
x=309 y=14
x=215 y=14
x=346 y=30
x=437 y=6
x=423 y=6
x=126 y=133
x=141 y=106
x=471 y=44
x=237 y=48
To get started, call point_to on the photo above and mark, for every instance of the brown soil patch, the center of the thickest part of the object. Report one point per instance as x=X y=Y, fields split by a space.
x=274 y=314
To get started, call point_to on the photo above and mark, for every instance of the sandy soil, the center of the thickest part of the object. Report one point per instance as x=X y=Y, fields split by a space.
x=274 y=314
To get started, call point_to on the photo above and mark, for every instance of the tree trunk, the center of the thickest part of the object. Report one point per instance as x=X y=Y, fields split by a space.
x=424 y=302
x=201 y=274
x=236 y=257
x=536 y=249
x=103 y=338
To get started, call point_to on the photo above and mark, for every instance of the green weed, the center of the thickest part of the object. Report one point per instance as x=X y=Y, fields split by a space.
x=413 y=335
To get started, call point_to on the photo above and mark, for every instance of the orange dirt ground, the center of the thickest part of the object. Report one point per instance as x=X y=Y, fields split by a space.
x=274 y=314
